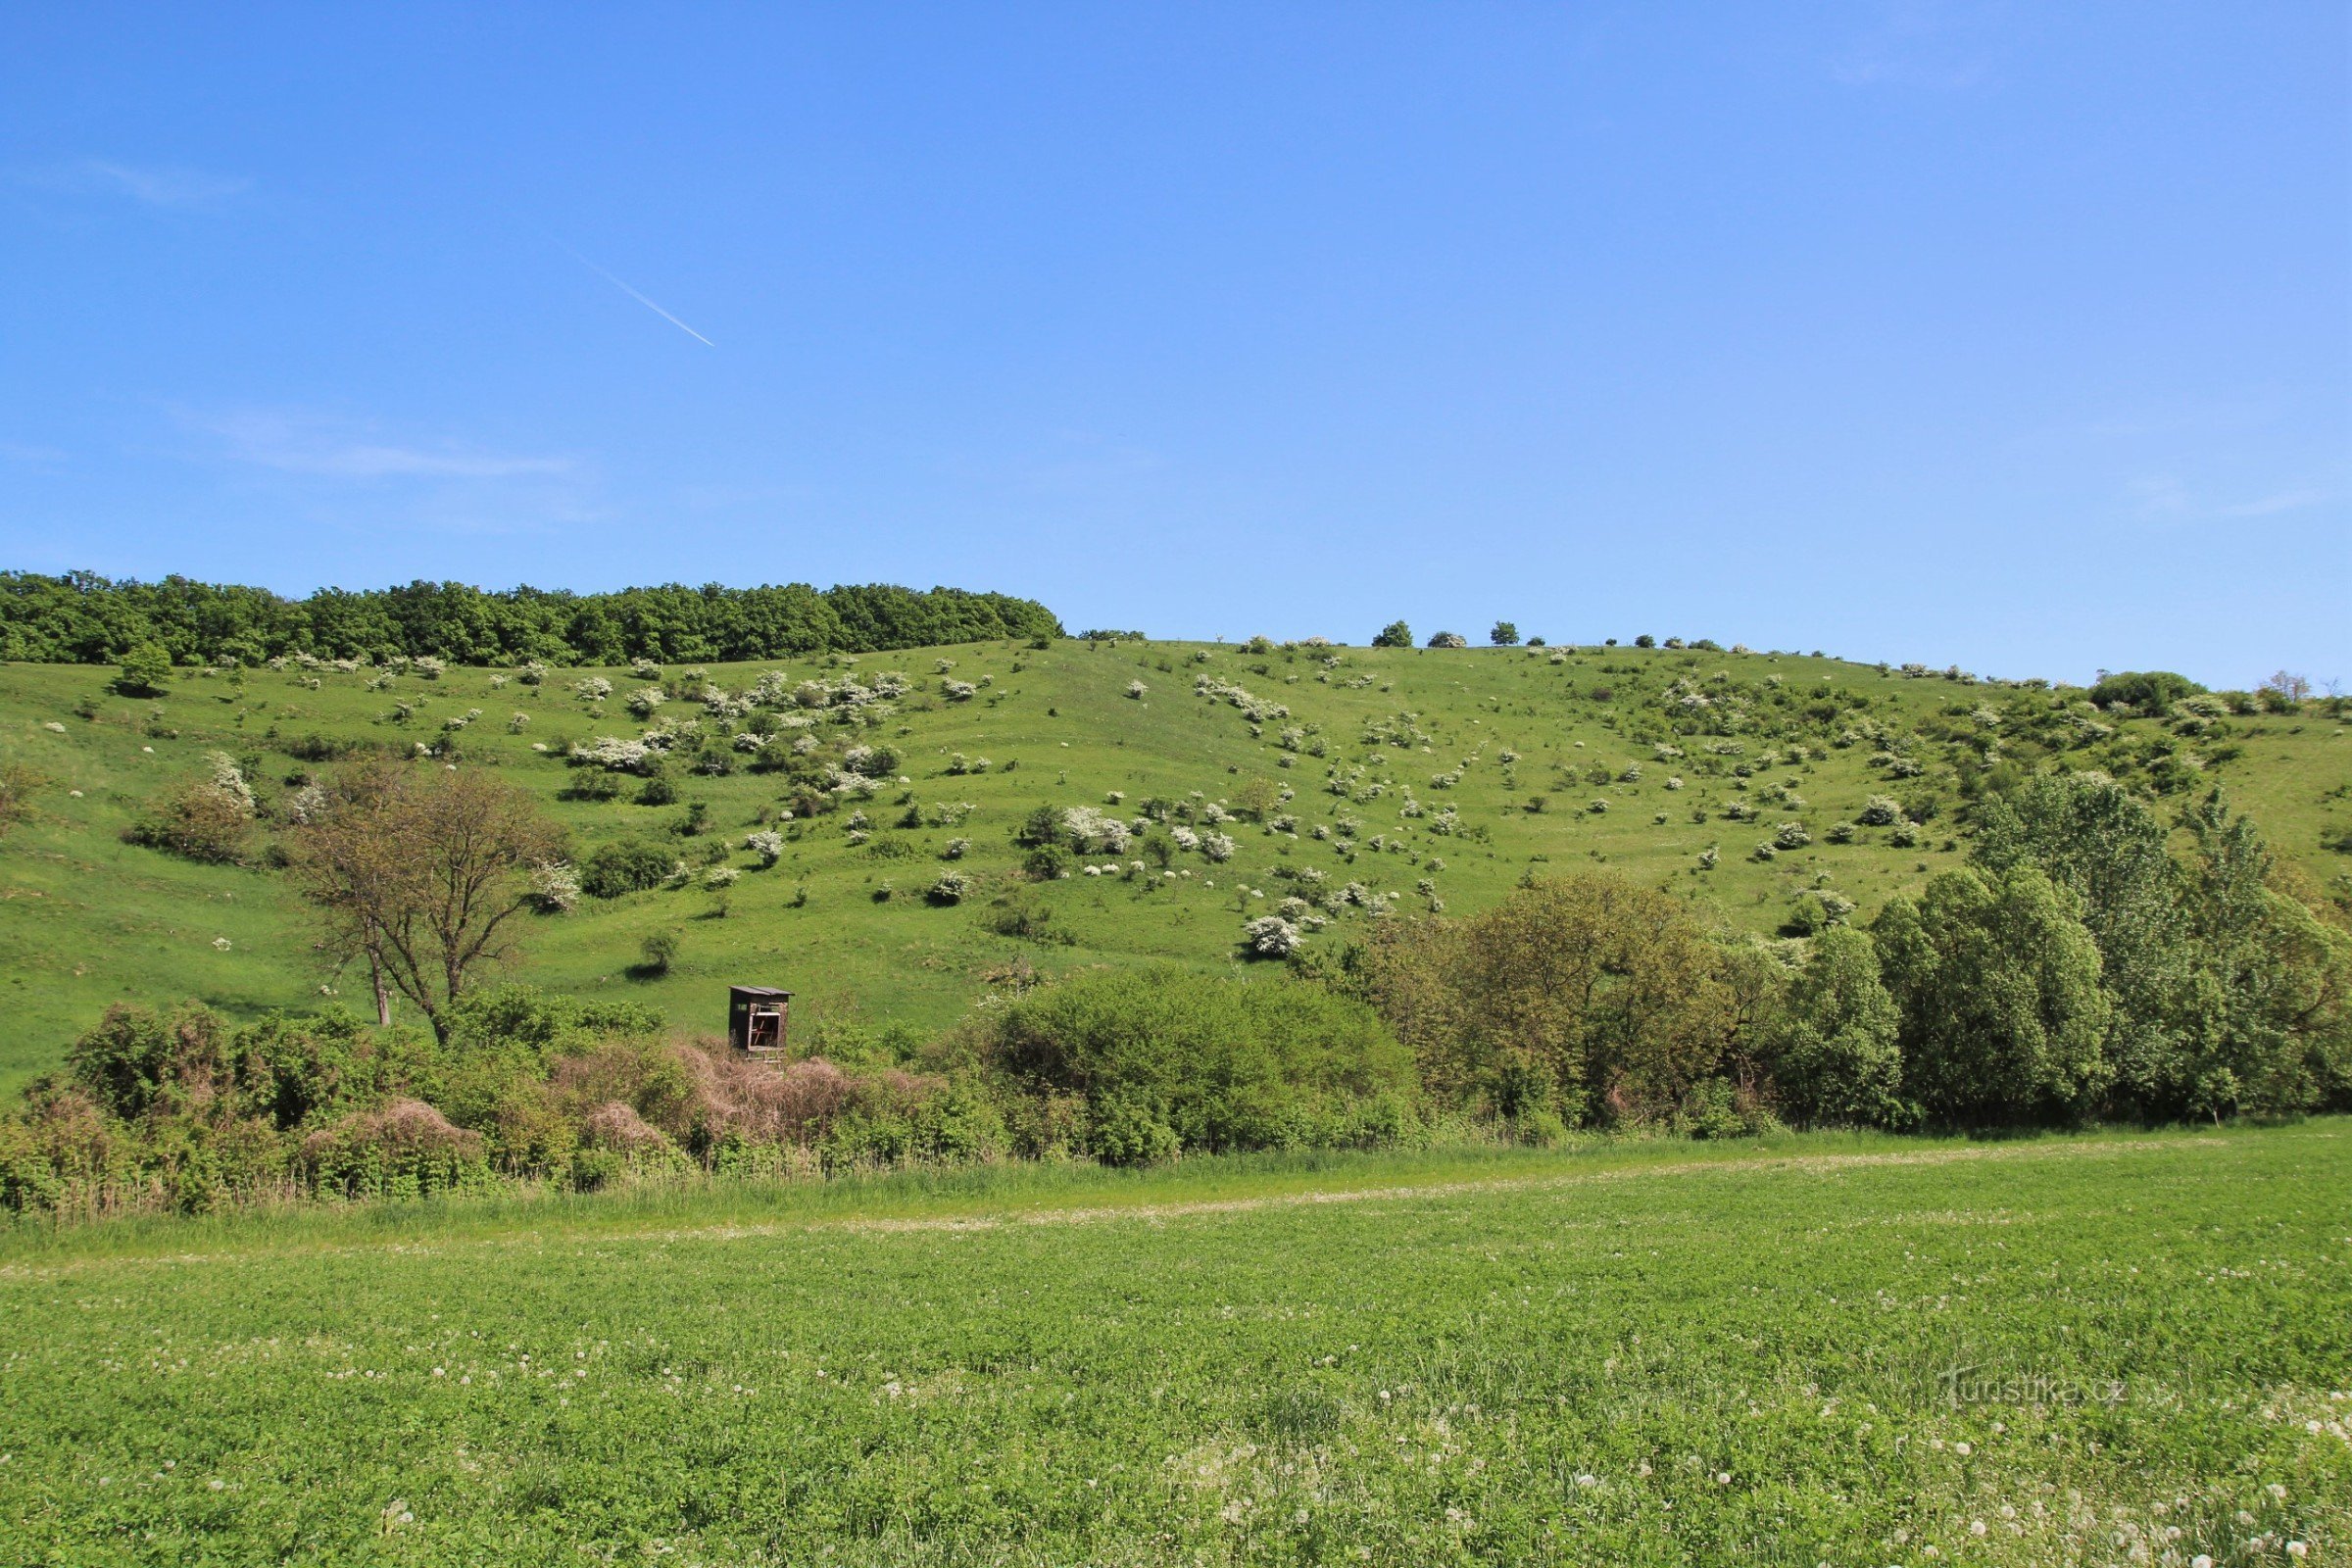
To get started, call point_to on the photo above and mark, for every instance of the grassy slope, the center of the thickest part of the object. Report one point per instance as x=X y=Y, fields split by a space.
x=1626 y=1353
x=86 y=919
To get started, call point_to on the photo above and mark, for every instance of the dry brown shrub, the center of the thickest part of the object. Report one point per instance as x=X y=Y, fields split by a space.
x=405 y=1130
x=615 y=1125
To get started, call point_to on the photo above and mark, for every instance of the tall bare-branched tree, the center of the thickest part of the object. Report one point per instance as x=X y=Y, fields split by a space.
x=421 y=873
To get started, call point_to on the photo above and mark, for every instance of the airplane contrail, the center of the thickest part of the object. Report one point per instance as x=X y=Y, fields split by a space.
x=639 y=298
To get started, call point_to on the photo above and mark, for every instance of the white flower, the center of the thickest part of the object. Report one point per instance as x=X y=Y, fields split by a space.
x=222 y=943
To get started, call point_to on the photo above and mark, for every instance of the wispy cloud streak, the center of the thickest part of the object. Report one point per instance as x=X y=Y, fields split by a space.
x=639 y=298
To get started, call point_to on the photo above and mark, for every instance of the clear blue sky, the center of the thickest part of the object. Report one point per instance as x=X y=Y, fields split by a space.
x=2015 y=335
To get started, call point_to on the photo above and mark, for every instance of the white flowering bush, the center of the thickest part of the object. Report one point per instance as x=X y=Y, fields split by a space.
x=1091 y=831
x=594 y=689
x=305 y=805
x=229 y=781
x=951 y=887
x=429 y=668
x=1673 y=781
x=645 y=669
x=614 y=755
x=1792 y=836
x=1708 y=856
x=957 y=691
x=1881 y=811
x=957 y=849
x=554 y=887
x=1217 y=847
x=1270 y=936
x=719 y=877
x=517 y=722
x=768 y=844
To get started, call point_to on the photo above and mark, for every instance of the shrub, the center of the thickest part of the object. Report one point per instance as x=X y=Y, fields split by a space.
x=659 y=951
x=2151 y=691
x=1396 y=634
x=202 y=818
x=1881 y=811
x=628 y=865
x=951 y=887
x=406 y=1150
x=1449 y=639
x=1222 y=1063
x=554 y=887
x=1271 y=936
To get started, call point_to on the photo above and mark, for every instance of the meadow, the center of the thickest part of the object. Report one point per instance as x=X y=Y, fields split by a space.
x=1827 y=1348
x=1438 y=778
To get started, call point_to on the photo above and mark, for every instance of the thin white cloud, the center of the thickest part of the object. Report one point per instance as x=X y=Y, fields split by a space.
x=2166 y=498
x=1918 y=43
x=153 y=184
x=341 y=449
x=2284 y=501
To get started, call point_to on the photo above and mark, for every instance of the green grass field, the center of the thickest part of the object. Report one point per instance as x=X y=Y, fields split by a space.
x=86 y=919
x=2101 y=1349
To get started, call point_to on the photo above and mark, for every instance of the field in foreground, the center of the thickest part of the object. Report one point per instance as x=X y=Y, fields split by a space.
x=2111 y=1348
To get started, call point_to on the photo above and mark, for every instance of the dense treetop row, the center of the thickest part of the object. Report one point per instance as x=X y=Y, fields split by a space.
x=84 y=618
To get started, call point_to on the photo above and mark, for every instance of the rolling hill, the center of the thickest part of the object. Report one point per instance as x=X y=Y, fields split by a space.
x=1415 y=780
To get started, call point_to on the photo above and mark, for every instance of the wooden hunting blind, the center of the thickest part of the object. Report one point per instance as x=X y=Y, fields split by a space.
x=756 y=1018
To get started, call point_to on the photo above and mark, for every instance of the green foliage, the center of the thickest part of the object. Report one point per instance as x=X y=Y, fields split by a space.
x=2151 y=691
x=1833 y=1050
x=1998 y=983
x=146 y=670
x=1396 y=634
x=86 y=618
x=1610 y=991
x=1222 y=1064
x=625 y=866
x=1507 y=635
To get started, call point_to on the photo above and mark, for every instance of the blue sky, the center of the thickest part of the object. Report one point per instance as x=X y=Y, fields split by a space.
x=2017 y=336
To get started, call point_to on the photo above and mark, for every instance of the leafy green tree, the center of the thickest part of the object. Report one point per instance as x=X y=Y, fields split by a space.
x=1645 y=640
x=1998 y=985
x=145 y=670
x=2267 y=1018
x=1504 y=635
x=1833 y=1052
x=2092 y=837
x=1396 y=634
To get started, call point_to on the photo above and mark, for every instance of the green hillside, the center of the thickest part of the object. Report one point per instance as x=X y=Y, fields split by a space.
x=1429 y=776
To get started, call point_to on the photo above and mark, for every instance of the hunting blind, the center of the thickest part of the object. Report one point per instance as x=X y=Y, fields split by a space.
x=756 y=1018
